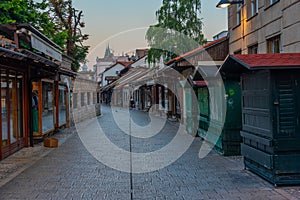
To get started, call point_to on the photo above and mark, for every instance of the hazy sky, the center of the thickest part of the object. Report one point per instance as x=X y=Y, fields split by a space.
x=122 y=23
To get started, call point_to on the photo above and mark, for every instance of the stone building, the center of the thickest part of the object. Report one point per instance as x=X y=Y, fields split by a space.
x=265 y=26
x=85 y=99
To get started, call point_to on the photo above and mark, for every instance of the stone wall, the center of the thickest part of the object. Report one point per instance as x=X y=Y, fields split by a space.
x=85 y=99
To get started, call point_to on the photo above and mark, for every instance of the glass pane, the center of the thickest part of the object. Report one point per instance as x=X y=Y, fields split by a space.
x=20 y=106
x=47 y=107
x=62 y=105
x=4 y=108
x=13 y=107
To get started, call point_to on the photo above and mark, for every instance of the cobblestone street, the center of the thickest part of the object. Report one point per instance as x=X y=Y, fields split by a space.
x=71 y=172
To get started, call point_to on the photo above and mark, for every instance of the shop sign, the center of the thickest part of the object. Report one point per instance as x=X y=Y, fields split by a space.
x=42 y=46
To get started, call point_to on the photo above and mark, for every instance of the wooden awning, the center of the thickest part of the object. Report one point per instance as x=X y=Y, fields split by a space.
x=37 y=58
x=11 y=54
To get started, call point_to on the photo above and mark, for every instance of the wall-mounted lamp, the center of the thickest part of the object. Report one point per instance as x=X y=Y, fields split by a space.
x=226 y=3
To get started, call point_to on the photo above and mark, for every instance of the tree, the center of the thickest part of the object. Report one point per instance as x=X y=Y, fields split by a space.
x=69 y=21
x=179 y=29
x=57 y=19
x=22 y=11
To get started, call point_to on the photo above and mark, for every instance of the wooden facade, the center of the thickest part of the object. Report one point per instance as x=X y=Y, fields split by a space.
x=27 y=106
x=270 y=121
x=218 y=118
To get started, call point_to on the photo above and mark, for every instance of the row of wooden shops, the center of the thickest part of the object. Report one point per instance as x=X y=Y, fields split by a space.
x=240 y=104
x=35 y=87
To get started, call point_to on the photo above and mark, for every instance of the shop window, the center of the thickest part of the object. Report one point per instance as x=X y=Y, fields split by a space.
x=253 y=49
x=47 y=107
x=11 y=107
x=20 y=104
x=273 y=44
x=62 y=106
x=4 y=110
x=82 y=99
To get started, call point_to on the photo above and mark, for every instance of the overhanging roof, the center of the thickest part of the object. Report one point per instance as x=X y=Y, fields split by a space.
x=37 y=58
x=11 y=54
x=197 y=50
x=277 y=61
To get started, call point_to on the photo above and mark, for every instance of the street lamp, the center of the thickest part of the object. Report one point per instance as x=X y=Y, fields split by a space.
x=226 y=3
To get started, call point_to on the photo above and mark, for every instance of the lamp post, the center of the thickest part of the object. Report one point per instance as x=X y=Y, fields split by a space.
x=226 y=3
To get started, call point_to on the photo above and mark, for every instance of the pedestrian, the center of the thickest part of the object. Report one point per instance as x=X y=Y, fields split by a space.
x=131 y=103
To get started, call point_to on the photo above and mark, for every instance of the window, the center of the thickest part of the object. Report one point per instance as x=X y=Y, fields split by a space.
x=94 y=97
x=82 y=99
x=273 y=44
x=253 y=49
x=62 y=104
x=11 y=107
x=254 y=7
x=269 y=3
x=239 y=51
x=98 y=97
x=88 y=98
x=272 y=1
x=48 y=110
x=238 y=14
x=75 y=100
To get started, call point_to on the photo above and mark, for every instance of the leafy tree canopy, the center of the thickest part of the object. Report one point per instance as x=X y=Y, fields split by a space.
x=57 y=19
x=179 y=29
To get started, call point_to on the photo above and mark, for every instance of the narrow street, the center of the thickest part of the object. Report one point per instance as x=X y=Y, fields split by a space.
x=71 y=172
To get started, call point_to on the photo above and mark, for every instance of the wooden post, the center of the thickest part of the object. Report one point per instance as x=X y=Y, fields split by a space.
x=26 y=105
x=56 y=104
x=40 y=106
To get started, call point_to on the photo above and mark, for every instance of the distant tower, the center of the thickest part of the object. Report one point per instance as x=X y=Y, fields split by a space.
x=84 y=67
x=108 y=53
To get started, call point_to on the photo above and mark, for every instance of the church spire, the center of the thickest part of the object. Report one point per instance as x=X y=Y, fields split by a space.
x=107 y=52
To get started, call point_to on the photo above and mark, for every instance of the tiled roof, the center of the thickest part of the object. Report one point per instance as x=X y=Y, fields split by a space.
x=126 y=64
x=210 y=44
x=198 y=83
x=267 y=61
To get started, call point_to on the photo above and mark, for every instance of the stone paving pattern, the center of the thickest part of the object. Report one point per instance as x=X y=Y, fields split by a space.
x=70 y=172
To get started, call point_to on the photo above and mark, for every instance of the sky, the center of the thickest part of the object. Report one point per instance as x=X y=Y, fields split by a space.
x=122 y=24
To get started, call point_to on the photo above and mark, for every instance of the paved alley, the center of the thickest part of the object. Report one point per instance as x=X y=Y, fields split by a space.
x=71 y=172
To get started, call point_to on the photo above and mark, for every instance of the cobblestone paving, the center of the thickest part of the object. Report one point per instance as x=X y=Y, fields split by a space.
x=70 y=172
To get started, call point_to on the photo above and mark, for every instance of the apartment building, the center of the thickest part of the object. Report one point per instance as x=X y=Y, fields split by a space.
x=264 y=26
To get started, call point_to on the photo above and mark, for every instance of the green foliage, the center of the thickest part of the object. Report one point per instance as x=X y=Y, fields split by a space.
x=19 y=11
x=57 y=19
x=69 y=21
x=179 y=29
